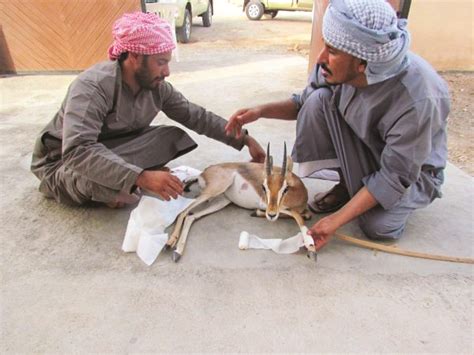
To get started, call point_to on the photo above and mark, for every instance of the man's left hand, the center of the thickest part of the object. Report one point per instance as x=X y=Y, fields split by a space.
x=256 y=151
x=323 y=230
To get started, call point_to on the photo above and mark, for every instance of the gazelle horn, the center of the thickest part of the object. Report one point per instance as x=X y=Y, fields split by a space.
x=268 y=161
x=283 y=166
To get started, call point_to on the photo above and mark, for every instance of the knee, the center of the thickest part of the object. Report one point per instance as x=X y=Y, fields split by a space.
x=378 y=226
x=323 y=94
x=315 y=102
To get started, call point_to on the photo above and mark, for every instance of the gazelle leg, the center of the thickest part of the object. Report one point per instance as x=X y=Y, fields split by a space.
x=306 y=215
x=261 y=214
x=210 y=191
x=308 y=240
x=174 y=236
x=214 y=206
x=258 y=213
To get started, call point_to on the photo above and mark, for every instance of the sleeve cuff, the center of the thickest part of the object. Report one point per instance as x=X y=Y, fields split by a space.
x=130 y=179
x=382 y=190
x=297 y=101
x=241 y=140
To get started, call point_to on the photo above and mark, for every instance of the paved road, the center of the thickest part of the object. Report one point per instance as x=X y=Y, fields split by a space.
x=67 y=287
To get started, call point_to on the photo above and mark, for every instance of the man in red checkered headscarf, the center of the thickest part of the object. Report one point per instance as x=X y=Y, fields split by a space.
x=100 y=145
x=141 y=33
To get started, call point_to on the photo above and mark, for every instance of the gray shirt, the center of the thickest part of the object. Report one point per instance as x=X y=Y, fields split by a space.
x=100 y=106
x=402 y=121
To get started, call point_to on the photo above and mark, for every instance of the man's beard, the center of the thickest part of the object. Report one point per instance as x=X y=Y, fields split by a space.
x=144 y=79
x=324 y=66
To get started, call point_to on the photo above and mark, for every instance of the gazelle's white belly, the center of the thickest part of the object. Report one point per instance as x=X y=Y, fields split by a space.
x=243 y=194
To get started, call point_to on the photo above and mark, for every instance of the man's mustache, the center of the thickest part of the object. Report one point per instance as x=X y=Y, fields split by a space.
x=324 y=66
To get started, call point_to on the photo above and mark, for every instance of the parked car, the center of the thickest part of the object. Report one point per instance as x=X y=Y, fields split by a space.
x=186 y=10
x=255 y=9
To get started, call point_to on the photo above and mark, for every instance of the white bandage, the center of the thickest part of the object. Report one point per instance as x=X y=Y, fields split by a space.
x=244 y=240
x=279 y=246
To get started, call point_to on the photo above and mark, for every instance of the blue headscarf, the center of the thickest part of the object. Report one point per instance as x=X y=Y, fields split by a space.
x=369 y=30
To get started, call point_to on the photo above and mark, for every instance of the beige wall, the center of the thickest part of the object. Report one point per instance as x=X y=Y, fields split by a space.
x=319 y=6
x=442 y=32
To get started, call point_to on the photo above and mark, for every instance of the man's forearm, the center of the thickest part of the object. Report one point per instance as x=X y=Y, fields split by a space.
x=283 y=110
x=322 y=230
x=362 y=201
x=102 y=166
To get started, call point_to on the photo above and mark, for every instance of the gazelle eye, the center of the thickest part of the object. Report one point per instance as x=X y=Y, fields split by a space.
x=263 y=188
x=285 y=190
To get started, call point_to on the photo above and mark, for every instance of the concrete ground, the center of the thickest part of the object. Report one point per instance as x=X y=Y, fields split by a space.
x=66 y=286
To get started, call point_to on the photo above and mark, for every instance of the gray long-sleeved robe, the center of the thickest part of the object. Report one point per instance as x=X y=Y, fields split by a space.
x=100 y=140
x=389 y=137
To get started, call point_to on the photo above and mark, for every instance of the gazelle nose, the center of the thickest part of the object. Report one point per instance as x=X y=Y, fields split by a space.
x=272 y=216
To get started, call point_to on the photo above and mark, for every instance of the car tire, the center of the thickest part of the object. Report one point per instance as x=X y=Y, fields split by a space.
x=184 y=32
x=207 y=16
x=254 y=10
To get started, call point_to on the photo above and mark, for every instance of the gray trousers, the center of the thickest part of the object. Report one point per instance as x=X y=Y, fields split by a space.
x=323 y=137
x=150 y=148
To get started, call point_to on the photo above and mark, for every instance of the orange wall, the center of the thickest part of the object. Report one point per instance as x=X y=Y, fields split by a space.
x=52 y=35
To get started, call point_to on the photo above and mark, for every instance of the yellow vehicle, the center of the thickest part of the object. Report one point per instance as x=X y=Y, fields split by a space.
x=255 y=9
x=186 y=10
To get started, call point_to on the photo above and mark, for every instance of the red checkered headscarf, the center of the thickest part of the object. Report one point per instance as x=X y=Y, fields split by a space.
x=141 y=33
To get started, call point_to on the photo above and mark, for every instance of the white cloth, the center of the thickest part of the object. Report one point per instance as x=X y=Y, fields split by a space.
x=145 y=232
x=279 y=246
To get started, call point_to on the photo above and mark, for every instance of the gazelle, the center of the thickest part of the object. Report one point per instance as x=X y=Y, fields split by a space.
x=269 y=190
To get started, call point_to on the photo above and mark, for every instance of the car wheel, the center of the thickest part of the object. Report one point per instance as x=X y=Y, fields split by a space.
x=207 y=16
x=184 y=32
x=254 y=10
x=273 y=13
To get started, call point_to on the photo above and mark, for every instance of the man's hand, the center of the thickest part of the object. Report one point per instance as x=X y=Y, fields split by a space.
x=256 y=151
x=239 y=118
x=162 y=183
x=282 y=110
x=323 y=230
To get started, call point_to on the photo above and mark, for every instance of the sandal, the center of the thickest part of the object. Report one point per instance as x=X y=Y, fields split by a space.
x=330 y=201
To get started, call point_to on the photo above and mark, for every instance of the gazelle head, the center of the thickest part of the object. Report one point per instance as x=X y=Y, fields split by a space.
x=277 y=183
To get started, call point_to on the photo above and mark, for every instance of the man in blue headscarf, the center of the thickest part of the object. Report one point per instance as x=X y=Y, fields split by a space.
x=375 y=113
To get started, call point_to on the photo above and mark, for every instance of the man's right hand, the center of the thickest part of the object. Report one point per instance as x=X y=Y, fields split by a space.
x=239 y=118
x=162 y=183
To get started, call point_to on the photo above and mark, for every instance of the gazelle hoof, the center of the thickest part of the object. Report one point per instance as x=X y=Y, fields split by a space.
x=176 y=256
x=313 y=256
